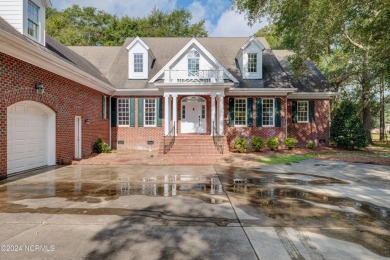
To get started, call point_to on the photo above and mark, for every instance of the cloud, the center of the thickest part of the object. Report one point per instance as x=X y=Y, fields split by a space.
x=133 y=8
x=198 y=11
x=232 y=24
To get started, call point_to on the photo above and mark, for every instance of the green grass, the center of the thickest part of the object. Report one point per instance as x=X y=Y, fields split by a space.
x=286 y=158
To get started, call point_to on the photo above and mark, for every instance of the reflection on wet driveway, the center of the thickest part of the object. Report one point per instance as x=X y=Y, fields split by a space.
x=199 y=212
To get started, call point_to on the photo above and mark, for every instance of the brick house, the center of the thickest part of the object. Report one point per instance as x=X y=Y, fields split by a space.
x=56 y=100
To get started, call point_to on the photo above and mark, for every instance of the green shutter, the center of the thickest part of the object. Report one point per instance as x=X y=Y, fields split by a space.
x=231 y=111
x=249 y=111
x=140 y=112
x=159 y=111
x=294 y=111
x=113 y=112
x=311 y=111
x=278 y=117
x=103 y=106
x=259 y=112
x=132 y=112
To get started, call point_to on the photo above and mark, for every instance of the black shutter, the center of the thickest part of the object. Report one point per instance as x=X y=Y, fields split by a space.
x=249 y=111
x=132 y=112
x=294 y=111
x=140 y=112
x=159 y=111
x=231 y=111
x=113 y=112
x=259 y=112
x=312 y=111
x=278 y=118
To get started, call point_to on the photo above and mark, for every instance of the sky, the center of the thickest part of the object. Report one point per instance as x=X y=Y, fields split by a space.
x=220 y=21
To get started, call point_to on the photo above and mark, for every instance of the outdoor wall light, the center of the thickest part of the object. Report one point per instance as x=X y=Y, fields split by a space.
x=40 y=88
x=87 y=121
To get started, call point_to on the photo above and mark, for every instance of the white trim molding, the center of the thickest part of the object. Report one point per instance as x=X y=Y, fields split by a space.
x=313 y=95
x=138 y=92
x=260 y=92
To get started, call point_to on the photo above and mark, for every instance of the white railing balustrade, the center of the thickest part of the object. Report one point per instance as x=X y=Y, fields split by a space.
x=193 y=76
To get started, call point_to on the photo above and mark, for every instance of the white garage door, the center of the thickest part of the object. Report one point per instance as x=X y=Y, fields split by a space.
x=27 y=137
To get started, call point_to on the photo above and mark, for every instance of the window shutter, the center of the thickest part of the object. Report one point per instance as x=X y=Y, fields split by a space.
x=140 y=112
x=113 y=112
x=312 y=111
x=278 y=117
x=132 y=112
x=159 y=111
x=231 y=111
x=294 y=112
x=259 y=112
x=103 y=107
x=249 y=111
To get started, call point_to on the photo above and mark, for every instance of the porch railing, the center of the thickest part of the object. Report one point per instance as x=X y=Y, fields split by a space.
x=193 y=76
x=169 y=139
x=218 y=139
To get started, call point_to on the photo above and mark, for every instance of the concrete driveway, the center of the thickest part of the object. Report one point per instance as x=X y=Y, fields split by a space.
x=310 y=210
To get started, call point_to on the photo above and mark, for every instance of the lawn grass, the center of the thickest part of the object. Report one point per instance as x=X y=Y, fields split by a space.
x=285 y=158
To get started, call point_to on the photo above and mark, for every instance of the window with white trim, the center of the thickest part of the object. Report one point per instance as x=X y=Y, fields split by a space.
x=240 y=112
x=303 y=111
x=252 y=62
x=193 y=63
x=150 y=108
x=268 y=112
x=138 y=62
x=123 y=112
x=32 y=20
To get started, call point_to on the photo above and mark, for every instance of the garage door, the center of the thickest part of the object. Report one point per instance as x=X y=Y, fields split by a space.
x=27 y=137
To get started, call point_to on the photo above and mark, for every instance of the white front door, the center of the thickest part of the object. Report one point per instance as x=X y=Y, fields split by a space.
x=78 y=134
x=193 y=117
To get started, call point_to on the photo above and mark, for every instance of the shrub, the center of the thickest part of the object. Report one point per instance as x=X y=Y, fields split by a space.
x=240 y=145
x=257 y=143
x=311 y=145
x=347 y=130
x=100 y=146
x=273 y=143
x=290 y=143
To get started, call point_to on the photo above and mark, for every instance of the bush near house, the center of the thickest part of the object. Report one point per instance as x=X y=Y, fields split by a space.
x=257 y=143
x=290 y=143
x=100 y=146
x=347 y=130
x=240 y=145
x=311 y=145
x=273 y=143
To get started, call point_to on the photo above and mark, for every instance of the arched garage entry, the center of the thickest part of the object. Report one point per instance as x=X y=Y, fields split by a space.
x=31 y=136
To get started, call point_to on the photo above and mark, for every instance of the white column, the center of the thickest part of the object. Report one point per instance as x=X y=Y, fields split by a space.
x=213 y=112
x=174 y=114
x=221 y=114
x=166 y=114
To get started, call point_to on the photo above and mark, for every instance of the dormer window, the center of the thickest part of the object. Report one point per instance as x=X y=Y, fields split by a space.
x=193 y=63
x=33 y=20
x=138 y=62
x=252 y=62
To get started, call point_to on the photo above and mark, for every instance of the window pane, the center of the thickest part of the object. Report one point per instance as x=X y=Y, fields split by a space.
x=32 y=23
x=303 y=109
x=193 y=67
x=150 y=112
x=123 y=112
x=268 y=112
x=138 y=62
x=240 y=111
x=252 y=62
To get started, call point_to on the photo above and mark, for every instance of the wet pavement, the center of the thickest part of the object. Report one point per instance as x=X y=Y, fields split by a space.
x=308 y=210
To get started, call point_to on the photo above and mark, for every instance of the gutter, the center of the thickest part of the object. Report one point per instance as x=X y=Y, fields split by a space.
x=313 y=95
x=261 y=92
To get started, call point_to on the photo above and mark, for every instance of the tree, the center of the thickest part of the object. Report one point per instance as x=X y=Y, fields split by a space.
x=79 y=26
x=347 y=130
x=357 y=30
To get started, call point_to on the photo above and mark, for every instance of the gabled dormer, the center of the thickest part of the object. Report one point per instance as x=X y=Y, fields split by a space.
x=140 y=59
x=26 y=16
x=250 y=59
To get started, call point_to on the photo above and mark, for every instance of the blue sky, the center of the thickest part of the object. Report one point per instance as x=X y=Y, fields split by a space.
x=220 y=21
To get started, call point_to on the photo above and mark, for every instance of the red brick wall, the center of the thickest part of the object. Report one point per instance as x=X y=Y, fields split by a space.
x=306 y=132
x=248 y=132
x=67 y=98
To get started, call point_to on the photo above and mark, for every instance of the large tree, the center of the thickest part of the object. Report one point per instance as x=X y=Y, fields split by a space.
x=88 y=26
x=353 y=32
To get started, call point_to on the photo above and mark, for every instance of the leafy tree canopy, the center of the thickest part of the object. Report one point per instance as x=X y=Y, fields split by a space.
x=87 y=26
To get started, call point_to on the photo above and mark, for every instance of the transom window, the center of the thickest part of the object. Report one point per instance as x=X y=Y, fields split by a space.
x=123 y=112
x=240 y=111
x=252 y=62
x=138 y=62
x=268 y=112
x=150 y=112
x=32 y=21
x=193 y=63
x=303 y=111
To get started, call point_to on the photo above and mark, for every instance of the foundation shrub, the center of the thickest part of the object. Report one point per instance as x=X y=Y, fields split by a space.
x=240 y=145
x=290 y=143
x=273 y=143
x=257 y=143
x=100 y=146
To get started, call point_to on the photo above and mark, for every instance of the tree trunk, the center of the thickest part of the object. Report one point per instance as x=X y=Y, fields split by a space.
x=366 y=98
x=382 y=111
